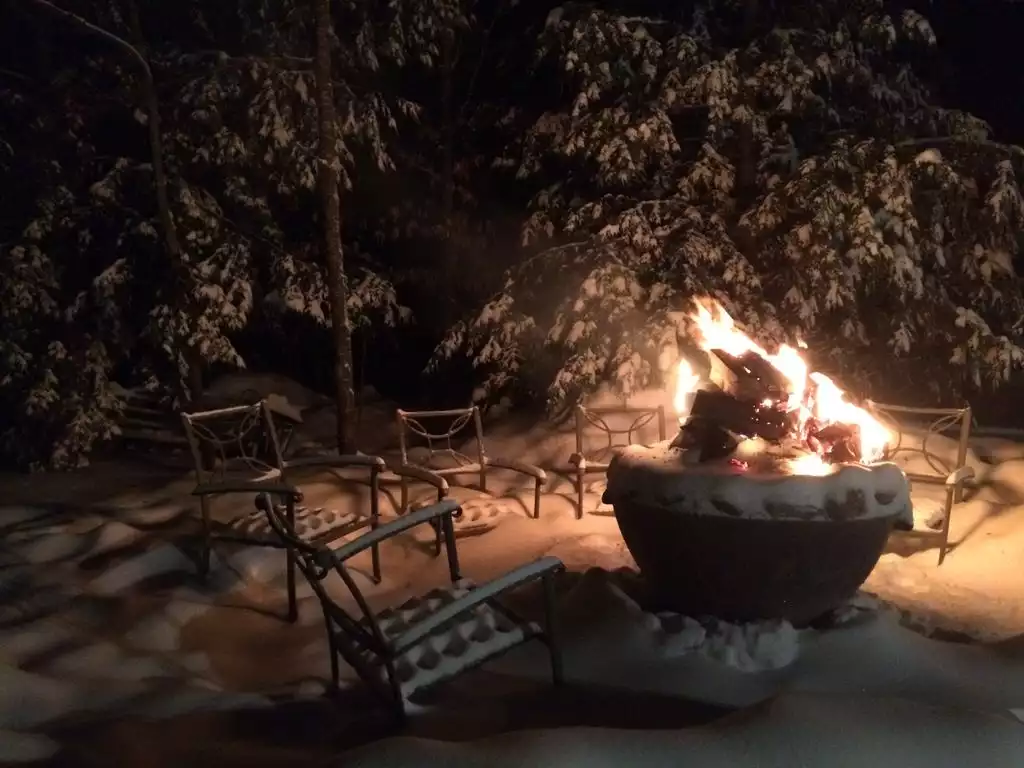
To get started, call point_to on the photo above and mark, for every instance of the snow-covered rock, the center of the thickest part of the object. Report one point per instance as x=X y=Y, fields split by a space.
x=603 y=599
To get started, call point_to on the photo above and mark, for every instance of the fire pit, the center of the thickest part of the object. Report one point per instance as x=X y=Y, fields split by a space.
x=767 y=505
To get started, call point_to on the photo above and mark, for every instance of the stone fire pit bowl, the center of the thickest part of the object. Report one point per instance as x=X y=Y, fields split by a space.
x=744 y=546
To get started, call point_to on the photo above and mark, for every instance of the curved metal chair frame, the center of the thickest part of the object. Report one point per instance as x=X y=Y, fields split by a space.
x=618 y=427
x=236 y=450
x=370 y=649
x=439 y=442
x=953 y=478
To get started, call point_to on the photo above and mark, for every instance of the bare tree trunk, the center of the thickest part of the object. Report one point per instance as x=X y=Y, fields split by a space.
x=156 y=148
x=193 y=385
x=337 y=283
x=447 y=129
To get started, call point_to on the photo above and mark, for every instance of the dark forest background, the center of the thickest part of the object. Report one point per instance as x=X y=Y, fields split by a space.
x=531 y=192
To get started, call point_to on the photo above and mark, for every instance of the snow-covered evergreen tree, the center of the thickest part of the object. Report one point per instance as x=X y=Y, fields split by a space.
x=446 y=214
x=87 y=282
x=782 y=157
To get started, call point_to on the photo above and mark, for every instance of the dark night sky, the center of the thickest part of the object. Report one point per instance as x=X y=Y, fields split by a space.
x=981 y=45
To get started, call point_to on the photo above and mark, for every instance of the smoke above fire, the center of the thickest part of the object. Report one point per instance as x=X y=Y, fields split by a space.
x=815 y=408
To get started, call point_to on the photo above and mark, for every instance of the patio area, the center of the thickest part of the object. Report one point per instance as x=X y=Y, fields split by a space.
x=113 y=641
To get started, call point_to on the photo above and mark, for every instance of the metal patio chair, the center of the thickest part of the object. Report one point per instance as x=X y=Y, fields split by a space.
x=236 y=450
x=439 y=447
x=428 y=639
x=615 y=427
x=953 y=478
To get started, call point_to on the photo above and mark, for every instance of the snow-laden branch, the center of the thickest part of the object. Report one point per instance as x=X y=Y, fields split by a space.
x=965 y=142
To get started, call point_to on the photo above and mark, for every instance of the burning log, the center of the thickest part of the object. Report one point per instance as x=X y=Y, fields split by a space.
x=774 y=397
x=748 y=417
x=836 y=443
x=719 y=421
x=708 y=438
x=751 y=376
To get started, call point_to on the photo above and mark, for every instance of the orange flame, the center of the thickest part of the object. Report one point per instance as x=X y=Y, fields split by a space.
x=810 y=394
x=687 y=382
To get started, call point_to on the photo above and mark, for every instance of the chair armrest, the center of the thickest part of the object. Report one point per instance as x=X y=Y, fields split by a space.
x=337 y=462
x=424 y=476
x=276 y=487
x=960 y=476
x=446 y=508
x=517 y=466
x=583 y=464
x=521 y=575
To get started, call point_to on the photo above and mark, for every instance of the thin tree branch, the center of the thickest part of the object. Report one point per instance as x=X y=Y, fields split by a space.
x=76 y=20
x=296 y=63
x=939 y=141
x=188 y=352
x=17 y=76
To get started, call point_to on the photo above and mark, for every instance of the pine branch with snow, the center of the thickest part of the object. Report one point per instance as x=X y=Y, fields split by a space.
x=802 y=175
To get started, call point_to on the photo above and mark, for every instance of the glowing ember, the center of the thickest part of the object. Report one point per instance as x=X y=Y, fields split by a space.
x=809 y=464
x=819 y=408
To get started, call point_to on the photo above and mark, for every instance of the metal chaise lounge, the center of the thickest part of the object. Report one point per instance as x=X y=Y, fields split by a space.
x=428 y=639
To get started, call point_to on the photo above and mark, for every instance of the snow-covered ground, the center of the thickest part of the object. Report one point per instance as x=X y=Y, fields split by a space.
x=104 y=628
x=791 y=730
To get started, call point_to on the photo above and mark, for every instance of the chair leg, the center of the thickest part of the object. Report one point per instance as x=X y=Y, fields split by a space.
x=293 y=602
x=401 y=716
x=536 y=500
x=394 y=697
x=375 y=555
x=331 y=649
x=335 y=673
x=375 y=523
x=551 y=631
x=206 y=544
x=944 y=542
x=438 y=529
x=579 y=495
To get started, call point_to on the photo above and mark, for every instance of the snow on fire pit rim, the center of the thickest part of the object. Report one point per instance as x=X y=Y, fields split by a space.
x=658 y=475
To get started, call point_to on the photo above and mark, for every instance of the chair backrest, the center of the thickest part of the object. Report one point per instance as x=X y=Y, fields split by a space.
x=237 y=441
x=436 y=431
x=930 y=423
x=360 y=641
x=601 y=431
